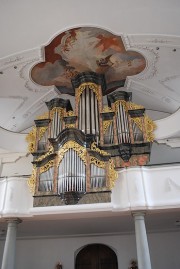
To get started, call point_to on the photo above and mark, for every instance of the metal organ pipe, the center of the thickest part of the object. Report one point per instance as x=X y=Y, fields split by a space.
x=88 y=113
x=98 y=179
x=72 y=173
x=88 y=119
x=43 y=141
x=56 y=124
x=122 y=125
x=46 y=180
x=138 y=135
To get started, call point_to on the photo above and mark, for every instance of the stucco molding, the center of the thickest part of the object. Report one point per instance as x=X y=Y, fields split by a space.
x=167 y=79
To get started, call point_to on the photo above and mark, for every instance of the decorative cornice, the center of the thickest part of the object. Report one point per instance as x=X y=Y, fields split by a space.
x=153 y=40
x=149 y=54
x=171 y=142
x=139 y=87
x=166 y=79
x=20 y=58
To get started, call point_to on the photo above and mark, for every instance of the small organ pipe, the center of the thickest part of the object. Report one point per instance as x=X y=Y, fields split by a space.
x=88 y=122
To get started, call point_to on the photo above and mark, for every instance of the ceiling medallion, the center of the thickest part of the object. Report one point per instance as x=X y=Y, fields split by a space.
x=86 y=49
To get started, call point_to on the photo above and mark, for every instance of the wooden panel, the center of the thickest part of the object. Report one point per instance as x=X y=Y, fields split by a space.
x=96 y=256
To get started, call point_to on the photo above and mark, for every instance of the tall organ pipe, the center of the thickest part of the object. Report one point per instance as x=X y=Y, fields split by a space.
x=71 y=174
x=122 y=125
x=88 y=118
x=56 y=124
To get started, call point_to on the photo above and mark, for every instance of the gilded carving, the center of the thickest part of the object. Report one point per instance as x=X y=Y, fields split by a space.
x=50 y=151
x=32 y=180
x=98 y=163
x=46 y=167
x=127 y=105
x=92 y=86
x=149 y=126
x=59 y=110
x=81 y=151
x=69 y=113
x=131 y=106
x=106 y=124
x=95 y=148
x=123 y=103
x=70 y=125
x=113 y=175
x=107 y=109
x=31 y=139
x=42 y=130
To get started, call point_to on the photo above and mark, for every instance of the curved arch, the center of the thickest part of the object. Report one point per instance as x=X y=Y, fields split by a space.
x=173 y=130
x=97 y=256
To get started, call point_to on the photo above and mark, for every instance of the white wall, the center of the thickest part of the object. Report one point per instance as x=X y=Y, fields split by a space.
x=19 y=166
x=45 y=253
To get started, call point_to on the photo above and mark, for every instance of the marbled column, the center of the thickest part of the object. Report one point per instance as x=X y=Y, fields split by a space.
x=8 y=261
x=143 y=255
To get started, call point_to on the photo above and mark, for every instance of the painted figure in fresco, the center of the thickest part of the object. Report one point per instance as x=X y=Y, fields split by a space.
x=86 y=49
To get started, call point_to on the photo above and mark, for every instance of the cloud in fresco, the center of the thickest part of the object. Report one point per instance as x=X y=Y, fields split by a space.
x=86 y=49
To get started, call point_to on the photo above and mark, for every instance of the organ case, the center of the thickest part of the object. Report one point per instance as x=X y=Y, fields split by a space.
x=78 y=151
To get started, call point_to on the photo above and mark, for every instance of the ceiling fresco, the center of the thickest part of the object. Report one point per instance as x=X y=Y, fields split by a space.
x=86 y=49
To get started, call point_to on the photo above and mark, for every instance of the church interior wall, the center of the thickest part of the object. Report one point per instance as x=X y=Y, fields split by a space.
x=44 y=253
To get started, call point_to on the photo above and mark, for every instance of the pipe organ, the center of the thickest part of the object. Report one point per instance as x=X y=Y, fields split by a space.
x=77 y=151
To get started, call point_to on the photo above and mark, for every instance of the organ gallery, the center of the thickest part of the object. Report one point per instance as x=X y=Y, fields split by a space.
x=78 y=148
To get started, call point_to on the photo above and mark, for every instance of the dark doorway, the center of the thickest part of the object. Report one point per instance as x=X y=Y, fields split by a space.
x=96 y=256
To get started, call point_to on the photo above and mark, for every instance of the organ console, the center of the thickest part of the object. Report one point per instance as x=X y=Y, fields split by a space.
x=78 y=151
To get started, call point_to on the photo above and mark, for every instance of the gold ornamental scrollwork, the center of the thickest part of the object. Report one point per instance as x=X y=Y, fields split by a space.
x=43 y=116
x=100 y=151
x=92 y=86
x=107 y=109
x=70 y=125
x=132 y=106
x=42 y=131
x=31 y=140
x=50 y=151
x=106 y=124
x=127 y=105
x=112 y=175
x=32 y=180
x=149 y=126
x=120 y=102
x=81 y=151
x=59 y=110
x=96 y=162
x=46 y=167
x=69 y=113
x=31 y=137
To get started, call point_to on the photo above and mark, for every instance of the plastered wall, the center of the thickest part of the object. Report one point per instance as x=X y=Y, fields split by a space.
x=44 y=253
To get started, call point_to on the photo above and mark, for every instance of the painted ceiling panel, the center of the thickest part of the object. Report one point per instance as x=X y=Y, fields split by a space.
x=86 y=49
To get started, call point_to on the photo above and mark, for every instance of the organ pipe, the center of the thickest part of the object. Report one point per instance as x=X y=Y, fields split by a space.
x=115 y=131
x=72 y=173
x=88 y=116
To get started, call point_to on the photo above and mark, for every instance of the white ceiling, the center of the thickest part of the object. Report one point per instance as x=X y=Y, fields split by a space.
x=151 y=28
x=93 y=223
